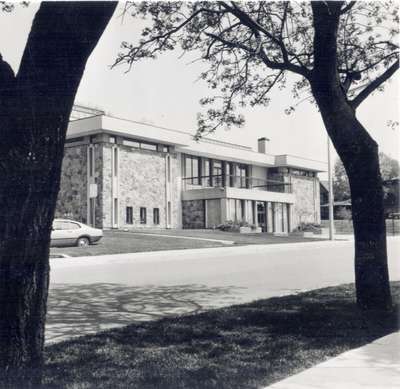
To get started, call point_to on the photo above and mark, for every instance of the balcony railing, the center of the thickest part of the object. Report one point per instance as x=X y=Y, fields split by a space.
x=233 y=181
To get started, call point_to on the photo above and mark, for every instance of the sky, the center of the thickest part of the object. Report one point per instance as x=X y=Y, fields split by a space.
x=166 y=92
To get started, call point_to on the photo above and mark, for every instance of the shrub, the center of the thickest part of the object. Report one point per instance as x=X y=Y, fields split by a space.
x=309 y=227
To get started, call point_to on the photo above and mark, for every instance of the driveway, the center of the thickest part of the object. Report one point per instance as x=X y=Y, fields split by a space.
x=89 y=294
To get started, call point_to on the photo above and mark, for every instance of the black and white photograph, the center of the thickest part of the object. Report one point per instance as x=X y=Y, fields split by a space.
x=199 y=194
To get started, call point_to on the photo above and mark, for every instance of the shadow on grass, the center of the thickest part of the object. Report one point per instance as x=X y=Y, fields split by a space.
x=80 y=309
x=244 y=346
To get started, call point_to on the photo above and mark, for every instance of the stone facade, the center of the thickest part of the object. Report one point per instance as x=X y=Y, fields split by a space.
x=72 y=197
x=193 y=214
x=142 y=182
x=306 y=208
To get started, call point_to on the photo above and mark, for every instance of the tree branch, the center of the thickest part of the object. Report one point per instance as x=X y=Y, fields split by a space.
x=257 y=28
x=374 y=85
x=348 y=7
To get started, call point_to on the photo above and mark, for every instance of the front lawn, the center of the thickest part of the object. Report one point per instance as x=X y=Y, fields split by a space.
x=244 y=346
x=117 y=242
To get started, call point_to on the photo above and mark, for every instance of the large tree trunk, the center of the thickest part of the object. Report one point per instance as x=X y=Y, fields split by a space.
x=34 y=109
x=359 y=154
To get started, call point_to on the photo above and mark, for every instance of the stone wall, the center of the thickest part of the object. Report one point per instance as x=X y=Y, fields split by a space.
x=141 y=183
x=193 y=214
x=306 y=208
x=72 y=198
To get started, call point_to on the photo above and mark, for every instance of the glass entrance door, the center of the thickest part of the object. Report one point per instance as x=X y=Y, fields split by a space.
x=262 y=215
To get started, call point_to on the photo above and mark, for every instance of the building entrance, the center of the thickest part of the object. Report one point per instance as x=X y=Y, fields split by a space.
x=262 y=215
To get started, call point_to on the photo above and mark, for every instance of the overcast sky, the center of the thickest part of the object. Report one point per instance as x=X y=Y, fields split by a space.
x=165 y=92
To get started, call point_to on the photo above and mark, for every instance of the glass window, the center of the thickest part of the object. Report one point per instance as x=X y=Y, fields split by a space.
x=217 y=173
x=207 y=172
x=166 y=149
x=156 y=216
x=91 y=161
x=148 y=146
x=143 y=215
x=115 y=161
x=69 y=226
x=242 y=174
x=131 y=143
x=129 y=215
x=169 y=168
x=115 y=211
x=192 y=170
x=228 y=174
x=111 y=139
x=57 y=226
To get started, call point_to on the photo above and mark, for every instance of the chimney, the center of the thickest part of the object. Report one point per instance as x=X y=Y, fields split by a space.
x=262 y=145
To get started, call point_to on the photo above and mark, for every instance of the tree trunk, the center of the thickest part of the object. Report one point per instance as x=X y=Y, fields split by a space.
x=34 y=109
x=359 y=154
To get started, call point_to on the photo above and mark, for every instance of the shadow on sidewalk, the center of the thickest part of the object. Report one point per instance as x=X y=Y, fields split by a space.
x=80 y=309
x=244 y=346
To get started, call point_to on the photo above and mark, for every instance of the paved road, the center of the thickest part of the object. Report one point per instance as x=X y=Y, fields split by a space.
x=89 y=294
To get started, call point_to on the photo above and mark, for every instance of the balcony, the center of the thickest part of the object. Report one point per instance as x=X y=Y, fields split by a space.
x=233 y=181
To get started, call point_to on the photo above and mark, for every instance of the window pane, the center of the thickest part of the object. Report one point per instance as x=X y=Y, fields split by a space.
x=148 y=146
x=115 y=162
x=70 y=226
x=129 y=215
x=195 y=171
x=188 y=167
x=131 y=143
x=156 y=216
x=143 y=215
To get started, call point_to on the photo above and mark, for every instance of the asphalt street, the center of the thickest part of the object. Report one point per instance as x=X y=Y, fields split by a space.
x=89 y=294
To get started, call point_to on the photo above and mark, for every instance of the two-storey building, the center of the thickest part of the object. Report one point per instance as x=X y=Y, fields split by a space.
x=120 y=173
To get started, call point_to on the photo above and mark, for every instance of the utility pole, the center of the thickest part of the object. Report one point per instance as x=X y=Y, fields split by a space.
x=330 y=201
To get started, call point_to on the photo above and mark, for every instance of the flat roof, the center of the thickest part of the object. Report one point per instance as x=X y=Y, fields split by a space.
x=184 y=142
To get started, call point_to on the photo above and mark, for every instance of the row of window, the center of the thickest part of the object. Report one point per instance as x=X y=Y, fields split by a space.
x=143 y=215
x=143 y=145
x=215 y=172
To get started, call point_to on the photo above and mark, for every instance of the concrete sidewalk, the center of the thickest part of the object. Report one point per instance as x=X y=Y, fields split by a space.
x=374 y=366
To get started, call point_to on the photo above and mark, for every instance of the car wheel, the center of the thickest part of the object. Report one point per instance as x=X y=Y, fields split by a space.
x=83 y=242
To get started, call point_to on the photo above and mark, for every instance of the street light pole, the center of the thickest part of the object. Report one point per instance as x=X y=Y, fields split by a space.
x=330 y=201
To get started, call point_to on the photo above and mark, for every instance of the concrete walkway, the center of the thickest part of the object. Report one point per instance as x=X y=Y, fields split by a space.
x=374 y=366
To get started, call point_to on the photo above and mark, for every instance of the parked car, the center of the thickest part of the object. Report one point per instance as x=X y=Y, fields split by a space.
x=72 y=233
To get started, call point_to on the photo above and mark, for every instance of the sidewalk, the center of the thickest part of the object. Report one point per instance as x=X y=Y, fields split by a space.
x=374 y=366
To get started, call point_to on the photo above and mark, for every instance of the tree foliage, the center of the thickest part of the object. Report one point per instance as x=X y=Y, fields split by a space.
x=249 y=47
x=389 y=167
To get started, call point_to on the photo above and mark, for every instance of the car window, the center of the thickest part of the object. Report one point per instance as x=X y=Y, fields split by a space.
x=57 y=226
x=70 y=226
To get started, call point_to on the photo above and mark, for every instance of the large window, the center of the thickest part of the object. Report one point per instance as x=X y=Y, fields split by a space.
x=229 y=173
x=242 y=176
x=207 y=173
x=143 y=215
x=217 y=173
x=192 y=170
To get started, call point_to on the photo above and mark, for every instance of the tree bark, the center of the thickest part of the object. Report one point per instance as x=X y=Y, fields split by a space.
x=34 y=109
x=359 y=154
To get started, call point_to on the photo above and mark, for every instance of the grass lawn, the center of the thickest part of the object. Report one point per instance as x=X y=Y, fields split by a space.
x=261 y=238
x=244 y=346
x=117 y=242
